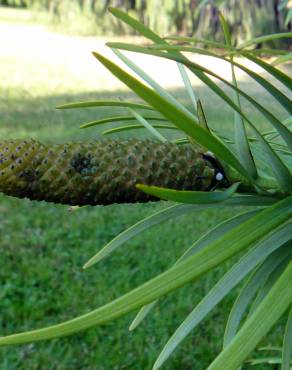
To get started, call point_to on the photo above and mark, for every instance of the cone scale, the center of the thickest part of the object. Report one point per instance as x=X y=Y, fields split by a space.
x=100 y=172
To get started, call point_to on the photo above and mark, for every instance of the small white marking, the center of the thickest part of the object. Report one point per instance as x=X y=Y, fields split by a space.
x=219 y=176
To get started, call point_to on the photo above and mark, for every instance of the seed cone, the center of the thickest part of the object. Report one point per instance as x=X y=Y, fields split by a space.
x=99 y=172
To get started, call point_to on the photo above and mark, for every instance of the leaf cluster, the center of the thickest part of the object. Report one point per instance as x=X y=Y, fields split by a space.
x=258 y=165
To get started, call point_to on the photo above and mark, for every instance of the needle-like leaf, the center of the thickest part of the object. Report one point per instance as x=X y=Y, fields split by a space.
x=262 y=320
x=151 y=128
x=240 y=135
x=136 y=127
x=265 y=38
x=275 y=72
x=190 y=197
x=176 y=116
x=234 y=241
x=223 y=287
x=287 y=344
x=257 y=279
x=282 y=173
x=104 y=103
x=203 y=242
x=119 y=119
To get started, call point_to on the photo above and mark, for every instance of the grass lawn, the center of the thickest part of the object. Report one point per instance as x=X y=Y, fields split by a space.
x=43 y=246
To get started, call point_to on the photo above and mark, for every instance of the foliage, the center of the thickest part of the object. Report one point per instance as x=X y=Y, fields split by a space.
x=263 y=238
x=43 y=246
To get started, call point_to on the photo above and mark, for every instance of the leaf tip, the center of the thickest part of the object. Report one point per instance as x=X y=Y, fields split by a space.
x=132 y=326
x=89 y=263
x=140 y=186
x=156 y=365
x=85 y=266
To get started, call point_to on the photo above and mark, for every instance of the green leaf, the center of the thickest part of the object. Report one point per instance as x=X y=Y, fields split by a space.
x=104 y=103
x=270 y=348
x=136 y=25
x=119 y=119
x=260 y=52
x=146 y=32
x=203 y=242
x=282 y=59
x=146 y=223
x=171 y=212
x=188 y=85
x=193 y=40
x=267 y=286
x=287 y=344
x=275 y=72
x=276 y=93
x=136 y=127
x=249 y=290
x=281 y=172
x=201 y=115
x=265 y=38
x=238 y=272
x=236 y=240
x=196 y=68
x=159 y=89
x=148 y=126
x=267 y=313
x=176 y=116
x=226 y=30
x=190 y=197
x=266 y=361
x=241 y=141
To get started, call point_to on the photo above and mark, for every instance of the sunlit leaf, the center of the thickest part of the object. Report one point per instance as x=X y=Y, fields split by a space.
x=281 y=172
x=201 y=115
x=151 y=82
x=195 y=68
x=118 y=119
x=194 y=40
x=275 y=72
x=148 y=126
x=265 y=38
x=136 y=127
x=104 y=103
x=240 y=135
x=176 y=116
x=187 y=196
x=282 y=59
x=188 y=85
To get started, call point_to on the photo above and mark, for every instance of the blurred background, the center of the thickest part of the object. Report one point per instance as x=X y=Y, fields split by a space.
x=247 y=18
x=45 y=61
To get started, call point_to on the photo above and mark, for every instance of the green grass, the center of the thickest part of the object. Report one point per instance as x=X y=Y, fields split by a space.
x=43 y=246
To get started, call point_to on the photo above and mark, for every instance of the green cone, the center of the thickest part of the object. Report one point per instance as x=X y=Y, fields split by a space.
x=99 y=172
